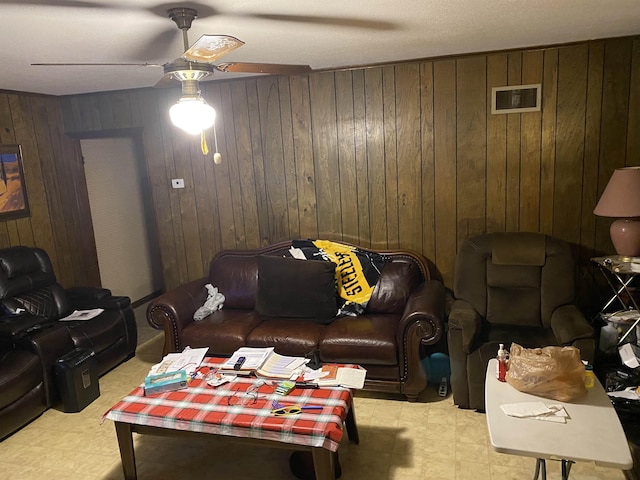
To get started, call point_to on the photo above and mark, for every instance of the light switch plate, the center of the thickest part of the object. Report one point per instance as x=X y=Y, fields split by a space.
x=177 y=183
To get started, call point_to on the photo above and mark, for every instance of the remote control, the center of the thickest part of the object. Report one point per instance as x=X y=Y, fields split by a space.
x=239 y=363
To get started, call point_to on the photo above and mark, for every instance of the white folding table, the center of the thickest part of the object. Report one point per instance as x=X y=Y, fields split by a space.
x=593 y=432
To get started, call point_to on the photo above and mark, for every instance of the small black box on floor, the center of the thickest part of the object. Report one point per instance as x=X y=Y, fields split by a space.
x=77 y=379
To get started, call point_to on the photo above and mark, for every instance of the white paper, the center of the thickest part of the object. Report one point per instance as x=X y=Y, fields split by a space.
x=254 y=358
x=189 y=360
x=630 y=393
x=536 y=411
x=629 y=355
x=351 y=377
x=83 y=315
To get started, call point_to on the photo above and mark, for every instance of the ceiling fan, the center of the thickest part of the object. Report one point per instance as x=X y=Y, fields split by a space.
x=196 y=63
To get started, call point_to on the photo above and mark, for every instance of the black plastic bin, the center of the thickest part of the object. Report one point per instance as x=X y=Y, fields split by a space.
x=77 y=379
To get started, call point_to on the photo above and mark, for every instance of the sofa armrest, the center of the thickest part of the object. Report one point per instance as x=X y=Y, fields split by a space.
x=85 y=298
x=569 y=324
x=174 y=310
x=425 y=305
x=465 y=323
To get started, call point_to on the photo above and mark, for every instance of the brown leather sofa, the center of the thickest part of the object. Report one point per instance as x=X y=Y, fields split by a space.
x=511 y=287
x=406 y=310
x=32 y=302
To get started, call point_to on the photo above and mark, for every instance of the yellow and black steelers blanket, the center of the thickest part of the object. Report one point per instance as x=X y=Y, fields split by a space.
x=357 y=270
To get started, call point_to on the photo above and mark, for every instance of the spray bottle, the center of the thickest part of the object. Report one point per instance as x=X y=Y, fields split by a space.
x=502 y=363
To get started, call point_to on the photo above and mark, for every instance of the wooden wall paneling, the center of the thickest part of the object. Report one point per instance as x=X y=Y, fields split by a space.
x=288 y=152
x=570 y=135
x=444 y=114
x=258 y=165
x=7 y=137
x=591 y=151
x=245 y=161
x=303 y=154
x=70 y=108
x=86 y=272
x=409 y=161
x=548 y=141
x=145 y=111
x=260 y=227
x=471 y=145
x=121 y=107
x=375 y=156
x=633 y=125
x=613 y=130
x=69 y=214
x=90 y=113
x=360 y=153
x=26 y=138
x=172 y=221
x=274 y=164
x=496 y=148
x=514 y=77
x=325 y=153
x=106 y=109
x=187 y=157
x=427 y=167
x=49 y=150
x=222 y=188
x=234 y=173
x=346 y=131
x=532 y=66
x=222 y=173
x=390 y=154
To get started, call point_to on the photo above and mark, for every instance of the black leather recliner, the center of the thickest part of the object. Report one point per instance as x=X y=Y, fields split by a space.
x=31 y=305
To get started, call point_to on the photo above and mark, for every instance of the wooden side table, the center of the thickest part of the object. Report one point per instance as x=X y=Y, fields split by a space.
x=620 y=273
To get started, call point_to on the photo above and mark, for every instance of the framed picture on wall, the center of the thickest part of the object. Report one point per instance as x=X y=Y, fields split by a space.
x=516 y=98
x=13 y=190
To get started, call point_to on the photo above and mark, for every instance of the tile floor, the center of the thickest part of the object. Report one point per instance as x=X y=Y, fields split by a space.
x=428 y=439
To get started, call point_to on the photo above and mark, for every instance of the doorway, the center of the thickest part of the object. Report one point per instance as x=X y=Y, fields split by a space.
x=116 y=178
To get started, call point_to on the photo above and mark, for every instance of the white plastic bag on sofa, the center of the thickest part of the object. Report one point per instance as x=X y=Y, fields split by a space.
x=214 y=302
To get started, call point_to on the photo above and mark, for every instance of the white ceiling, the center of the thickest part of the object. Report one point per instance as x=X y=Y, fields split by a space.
x=321 y=33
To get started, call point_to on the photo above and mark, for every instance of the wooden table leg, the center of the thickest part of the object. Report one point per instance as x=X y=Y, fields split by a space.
x=352 y=428
x=125 y=442
x=323 y=463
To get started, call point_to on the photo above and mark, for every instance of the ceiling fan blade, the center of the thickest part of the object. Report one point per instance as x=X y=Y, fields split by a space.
x=96 y=65
x=270 y=68
x=329 y=20
x=208 y=48
x=58 y=3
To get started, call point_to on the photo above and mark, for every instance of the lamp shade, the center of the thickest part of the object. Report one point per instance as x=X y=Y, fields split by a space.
x=621 y=200
x=621 y=196
x=192 y=114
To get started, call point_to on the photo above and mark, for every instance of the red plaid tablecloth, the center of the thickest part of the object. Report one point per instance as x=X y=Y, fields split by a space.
x=201 y=408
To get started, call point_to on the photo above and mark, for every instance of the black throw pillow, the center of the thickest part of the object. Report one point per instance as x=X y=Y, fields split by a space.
x=288 y=287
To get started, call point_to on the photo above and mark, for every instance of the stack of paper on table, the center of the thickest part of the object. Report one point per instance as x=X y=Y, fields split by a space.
x=264 y=362
x=189 y=360
x=333 y=375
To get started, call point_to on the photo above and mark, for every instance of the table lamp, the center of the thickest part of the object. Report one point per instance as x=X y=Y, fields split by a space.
x=621 y=200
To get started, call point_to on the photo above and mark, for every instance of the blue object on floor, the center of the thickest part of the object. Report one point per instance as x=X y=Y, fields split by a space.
x=437 y=367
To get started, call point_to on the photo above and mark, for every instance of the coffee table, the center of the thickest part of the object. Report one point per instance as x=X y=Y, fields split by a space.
x=592 y=433
x=228 y=412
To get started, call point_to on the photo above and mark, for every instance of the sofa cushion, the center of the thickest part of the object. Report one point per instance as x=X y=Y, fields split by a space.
x=365 y=339
x=288 y=287
x=288 y=336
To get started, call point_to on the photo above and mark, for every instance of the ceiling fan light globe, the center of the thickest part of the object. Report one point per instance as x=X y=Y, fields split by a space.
x=193 y=115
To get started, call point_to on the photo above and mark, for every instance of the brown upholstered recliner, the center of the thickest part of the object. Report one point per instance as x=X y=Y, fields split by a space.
x=510 y=287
